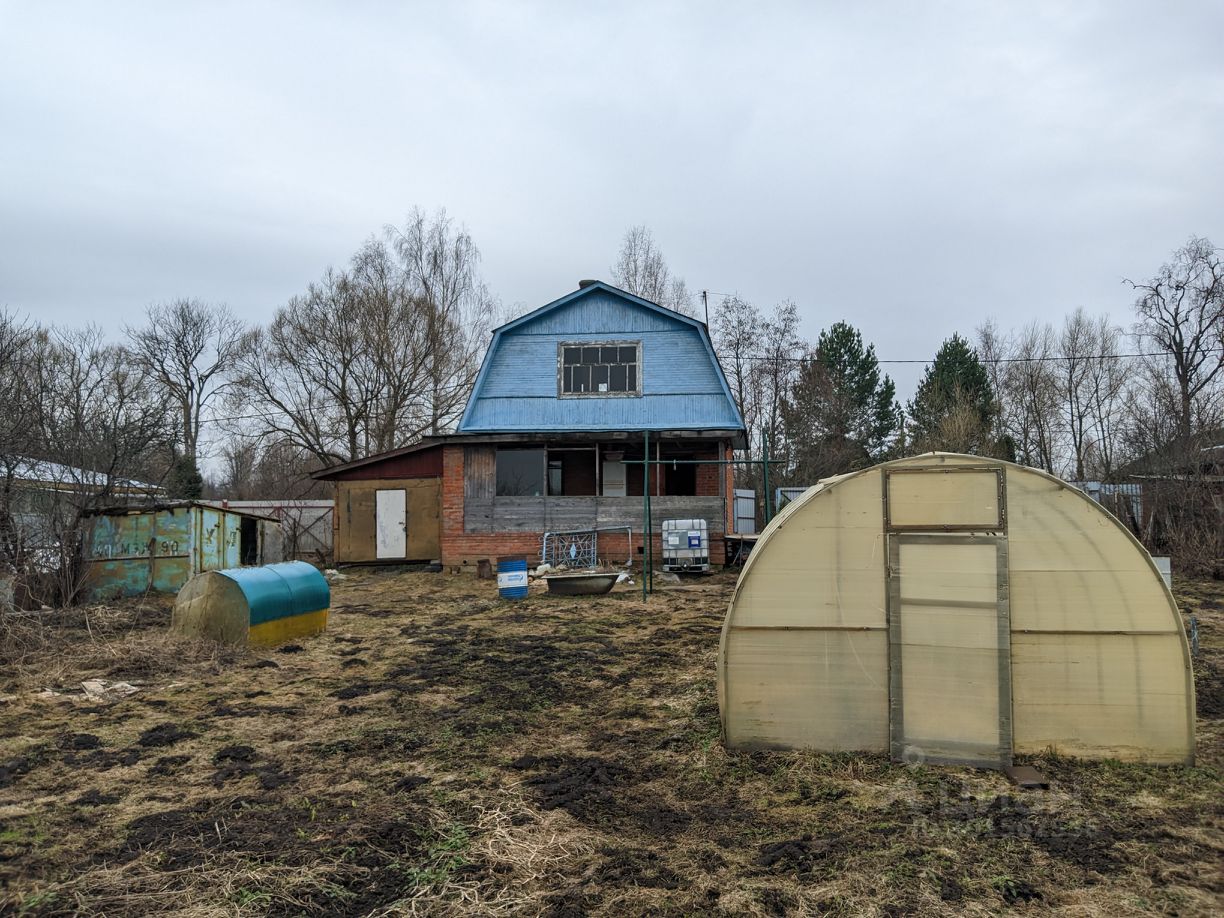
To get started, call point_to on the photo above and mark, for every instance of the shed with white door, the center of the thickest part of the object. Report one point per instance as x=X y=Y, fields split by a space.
x=950 y=608
x=388 y=507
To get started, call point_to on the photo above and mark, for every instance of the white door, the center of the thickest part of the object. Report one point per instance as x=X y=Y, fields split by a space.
x=614 y=479
x=391 y=524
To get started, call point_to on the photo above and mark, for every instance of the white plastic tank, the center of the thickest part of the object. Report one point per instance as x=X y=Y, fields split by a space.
x=686 y=545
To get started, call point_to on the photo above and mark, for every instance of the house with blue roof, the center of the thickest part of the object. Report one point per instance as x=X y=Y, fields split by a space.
x=569 y=399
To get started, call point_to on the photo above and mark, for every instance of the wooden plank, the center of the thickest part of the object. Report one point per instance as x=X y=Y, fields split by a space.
x=479 y=472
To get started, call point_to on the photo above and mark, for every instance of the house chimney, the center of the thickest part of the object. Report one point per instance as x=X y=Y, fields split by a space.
x=586 y=282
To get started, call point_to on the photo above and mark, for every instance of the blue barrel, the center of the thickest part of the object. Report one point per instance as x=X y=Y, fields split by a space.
x=512 y=577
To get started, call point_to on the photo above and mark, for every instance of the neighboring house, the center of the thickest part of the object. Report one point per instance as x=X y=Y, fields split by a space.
x=1181 y=490
x=567 y=398
x=41 y=498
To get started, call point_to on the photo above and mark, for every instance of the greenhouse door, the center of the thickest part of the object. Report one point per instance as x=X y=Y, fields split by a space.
x=949 y=649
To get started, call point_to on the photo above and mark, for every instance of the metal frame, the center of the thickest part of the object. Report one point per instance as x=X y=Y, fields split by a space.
x=647 y=518
x=896 y=697
x=588 y=539
x=562 y=345
x=1000 y=524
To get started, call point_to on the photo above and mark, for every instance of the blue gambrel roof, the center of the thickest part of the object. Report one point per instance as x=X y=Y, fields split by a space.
x=683 y=387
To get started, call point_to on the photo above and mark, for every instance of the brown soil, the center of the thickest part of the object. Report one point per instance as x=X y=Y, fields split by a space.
x=438 y=751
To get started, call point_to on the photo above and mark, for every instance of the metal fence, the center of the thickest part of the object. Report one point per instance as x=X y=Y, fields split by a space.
x=578 y=547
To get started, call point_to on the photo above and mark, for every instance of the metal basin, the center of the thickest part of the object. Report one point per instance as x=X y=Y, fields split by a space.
x=587 y=583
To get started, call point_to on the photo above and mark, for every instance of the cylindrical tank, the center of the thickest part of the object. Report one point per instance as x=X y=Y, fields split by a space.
x=254 y=605
x=512 y=577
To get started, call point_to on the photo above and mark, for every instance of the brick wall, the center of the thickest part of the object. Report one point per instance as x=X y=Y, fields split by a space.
x=466 y=548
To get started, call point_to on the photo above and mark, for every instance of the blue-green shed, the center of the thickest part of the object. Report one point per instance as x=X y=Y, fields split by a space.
x=133 y=550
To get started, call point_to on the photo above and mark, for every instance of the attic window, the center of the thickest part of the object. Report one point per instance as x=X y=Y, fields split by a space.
x=599 y=368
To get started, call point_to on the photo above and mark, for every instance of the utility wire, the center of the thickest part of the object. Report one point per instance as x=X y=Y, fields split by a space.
x=325 y=404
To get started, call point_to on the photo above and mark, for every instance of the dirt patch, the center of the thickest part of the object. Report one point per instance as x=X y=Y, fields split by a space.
x=1016 y=891
x=164 y=735
x=1209 y=687
x=356 y=690
x=798 y=855
x=635 y=867
x=576 y=785
x=169 y=765
x=95 y=798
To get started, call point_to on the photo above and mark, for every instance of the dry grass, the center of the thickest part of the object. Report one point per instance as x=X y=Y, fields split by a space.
x=438 y=752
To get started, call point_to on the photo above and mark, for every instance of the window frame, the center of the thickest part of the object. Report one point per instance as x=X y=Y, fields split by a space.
x=633 y=393
x=543 y=470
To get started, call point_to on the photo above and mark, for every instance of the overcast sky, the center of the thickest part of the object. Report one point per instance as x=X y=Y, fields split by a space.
x=911 y=167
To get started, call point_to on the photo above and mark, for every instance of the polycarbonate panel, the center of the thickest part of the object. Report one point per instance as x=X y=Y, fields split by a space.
x=807 y=689
x=947 y=648
x=939 y=498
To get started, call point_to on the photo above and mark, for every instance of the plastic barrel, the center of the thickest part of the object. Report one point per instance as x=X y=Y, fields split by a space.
x=512 y=577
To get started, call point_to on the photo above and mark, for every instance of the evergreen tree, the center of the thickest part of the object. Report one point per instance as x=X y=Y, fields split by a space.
x=955 y=405
x=185 y=481
x=841 y=414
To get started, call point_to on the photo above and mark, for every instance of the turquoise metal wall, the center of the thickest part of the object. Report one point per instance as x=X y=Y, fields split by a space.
x=159 y=550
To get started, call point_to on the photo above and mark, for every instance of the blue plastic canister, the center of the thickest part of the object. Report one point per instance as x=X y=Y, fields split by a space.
x=512 y=577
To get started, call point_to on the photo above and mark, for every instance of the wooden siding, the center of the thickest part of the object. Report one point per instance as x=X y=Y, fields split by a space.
x=682 y=386
x=479 y=472
x=556 y=514
x=425 y=463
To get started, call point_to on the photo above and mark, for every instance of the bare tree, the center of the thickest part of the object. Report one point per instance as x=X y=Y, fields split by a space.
x=1181 y=312
x=375 y=356
x=736 y=334
x=440 y=266
x=1106 y=380
x=642 y=270
x=93 y=419
x=1078 y=345
x=190 y=348
x=776 y=369
x=1031 y=385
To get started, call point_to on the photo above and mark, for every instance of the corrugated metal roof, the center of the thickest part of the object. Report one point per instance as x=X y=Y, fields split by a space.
x=42 y=472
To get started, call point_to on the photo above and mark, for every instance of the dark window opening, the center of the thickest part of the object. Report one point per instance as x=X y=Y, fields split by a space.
x=520 y=472
x=248 y=542
x=604 y=369
x=571 y=473
x=679 y=480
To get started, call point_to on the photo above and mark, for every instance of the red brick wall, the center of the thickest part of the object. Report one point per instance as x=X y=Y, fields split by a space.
x=459 y=547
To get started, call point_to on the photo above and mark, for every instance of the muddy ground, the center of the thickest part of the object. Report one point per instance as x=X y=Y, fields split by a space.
x=440 y=752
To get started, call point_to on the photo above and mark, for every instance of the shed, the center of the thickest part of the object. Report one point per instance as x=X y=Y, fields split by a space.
x=950 y=608
x=388 y=506
x=160 y=547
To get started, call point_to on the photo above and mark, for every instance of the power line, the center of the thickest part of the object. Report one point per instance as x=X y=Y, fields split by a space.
x=324 y=405
x=992 y=360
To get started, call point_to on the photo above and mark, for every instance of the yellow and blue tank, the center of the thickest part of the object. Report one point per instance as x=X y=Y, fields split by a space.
x=260 y=606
